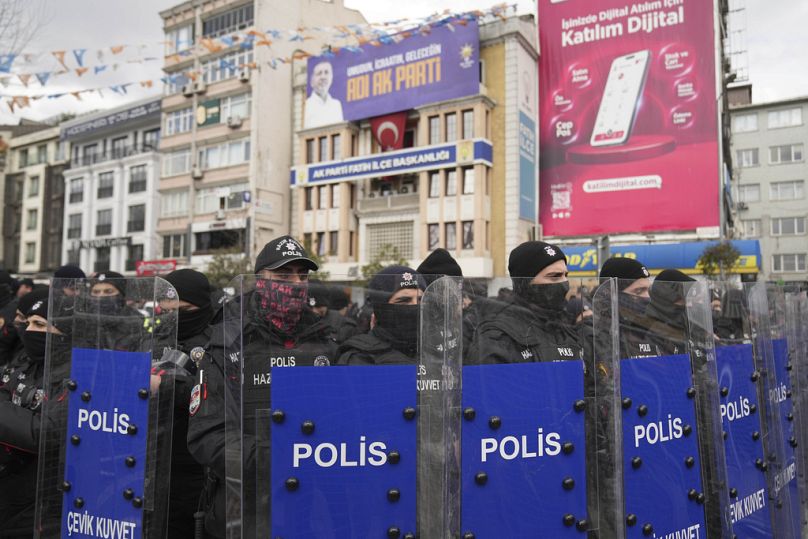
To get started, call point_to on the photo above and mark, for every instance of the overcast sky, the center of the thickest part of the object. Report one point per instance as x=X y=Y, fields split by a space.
x=776 y=39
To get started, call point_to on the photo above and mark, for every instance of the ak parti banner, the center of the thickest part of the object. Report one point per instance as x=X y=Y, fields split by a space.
x=628 y=116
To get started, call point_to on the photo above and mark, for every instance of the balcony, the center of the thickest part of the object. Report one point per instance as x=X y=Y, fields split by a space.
x=115 y=153
x=73 y=233
x=379 y=203
x=137 y=186
x=103 y=230
x=76 y=197
x=135 y=226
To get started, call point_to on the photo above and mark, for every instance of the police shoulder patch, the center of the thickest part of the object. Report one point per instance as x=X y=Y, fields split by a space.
x=197 y=353
x=196 y=400
x=321 y=361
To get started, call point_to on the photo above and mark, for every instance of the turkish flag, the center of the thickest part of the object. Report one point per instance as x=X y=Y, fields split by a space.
x=389 y=130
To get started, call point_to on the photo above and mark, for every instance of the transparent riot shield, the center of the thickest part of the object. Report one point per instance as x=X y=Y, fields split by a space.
x=107 y=412
x=674 y=472
x=341 y=439
x=796 y=370
x=539 y=444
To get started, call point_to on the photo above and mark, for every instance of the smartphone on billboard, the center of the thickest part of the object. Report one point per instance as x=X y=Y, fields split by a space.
x=618 y=107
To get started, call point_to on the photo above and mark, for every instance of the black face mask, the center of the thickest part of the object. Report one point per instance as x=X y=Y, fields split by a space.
x=9 y=338
x=552 y=297
x=34 y=343
x=191 y=323
x=400 y=324
x=281 y=303
x=110 y=305
x=635 y=304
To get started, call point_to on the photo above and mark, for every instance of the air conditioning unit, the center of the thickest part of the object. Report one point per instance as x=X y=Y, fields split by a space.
x=188 y=90
x=196 y=173
x=743 y=206
x=372 y=195
x=220 y=215
x=404 y=190
x=244 y=74
x=234 y=121
x=200 y=87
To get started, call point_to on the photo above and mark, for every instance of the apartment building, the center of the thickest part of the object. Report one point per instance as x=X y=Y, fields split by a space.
x=112 y=203
x=768 y=143
x=227 y=123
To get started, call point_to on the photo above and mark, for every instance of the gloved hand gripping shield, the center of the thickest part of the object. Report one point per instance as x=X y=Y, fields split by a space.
x=674 y=471
x=105 y=430
x=540 y=440
x=350 y=439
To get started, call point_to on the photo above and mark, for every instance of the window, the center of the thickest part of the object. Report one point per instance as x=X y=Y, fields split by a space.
x=235 y=106
x=788 y=226
x=174 y=246
x=434 y=184
x=24 y=158
x=745 y=123
x=225 y=155
x=451 y=236
x=30 y=252
x=41 y=153
x=216 y=240
x=179 y=39
x=177 y=162
x=230 y=197
x=468 y=234
x=309 y=196
x=179 y=121
x=103 y=225
x=434 y=129
x=335 y=189
x=320 y=244
x=333 y=242
x=174 y=203
x=336 y=147
x=307 y=241
x=747 y=158
x=451 y=183
x=119 y=147
x=137 y=179
x=229 y=21
x=785 y=118
x=151 y=139
x=789 y=262
x=32 y=220
x=789 y=153
x=74 y=257
x=227 y=66
x=133 y=255
x=137 y=218
x=352 y=195
x=76 y=190
x=88 y=154
x=101 y=259
x=33 y=186
x=310 y=151
x=74 y=226
x=106 y=183
x=433 y=233
x=174 y=82
x=322 y=197
x=351 y=243
x=751 y=228
x=468 y=181
x=382 y=235
x=791 y=190
x=451 y=127
x=749 y=193
x=322 y=143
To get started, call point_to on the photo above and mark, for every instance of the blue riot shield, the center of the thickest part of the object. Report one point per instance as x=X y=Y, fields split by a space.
x=674 y=472
x=337 y=435
x=111 y=368
x=540 y=440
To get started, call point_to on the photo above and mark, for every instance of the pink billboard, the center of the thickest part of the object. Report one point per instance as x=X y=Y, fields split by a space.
x=628 y=116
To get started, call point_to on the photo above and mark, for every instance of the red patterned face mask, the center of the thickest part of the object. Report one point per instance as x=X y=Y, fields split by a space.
x=281 y=303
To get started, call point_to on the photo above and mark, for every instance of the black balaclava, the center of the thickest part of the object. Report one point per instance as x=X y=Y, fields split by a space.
x=193 y=287
x=35 y=342
x=527 y=261
x=110 y=305
x=668 y=296
x=397 y=324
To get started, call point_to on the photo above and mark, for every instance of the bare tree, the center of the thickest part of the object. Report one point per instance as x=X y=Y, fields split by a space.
x=20 y=20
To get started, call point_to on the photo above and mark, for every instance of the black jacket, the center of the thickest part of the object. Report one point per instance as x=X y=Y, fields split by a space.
x=221 y=370
x=372 y=349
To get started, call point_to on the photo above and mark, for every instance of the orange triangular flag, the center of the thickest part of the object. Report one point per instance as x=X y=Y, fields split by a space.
x=117 y=49
x=81 y=71
x=77 y=95
x=24 y=78
x=146 y=83
x=60 y=55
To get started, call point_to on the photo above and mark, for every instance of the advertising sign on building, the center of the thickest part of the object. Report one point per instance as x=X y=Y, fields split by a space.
x=527 y=96
x=149 y=268
x=628 y=116
x=401 y=74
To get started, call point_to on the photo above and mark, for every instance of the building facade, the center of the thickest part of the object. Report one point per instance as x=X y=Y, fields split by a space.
x=224 y=179
x=111 y=201
x=465 y=199
x=768 y=143
x=34 y=203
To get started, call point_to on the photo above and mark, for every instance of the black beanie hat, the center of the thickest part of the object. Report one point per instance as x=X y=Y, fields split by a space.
x=69 y=272
x=527 y=260
x=626 y=270
x=674 y=275
x=115 y=279
x=191 y=286
x=437 y=264
x=282 y=251
x=669 y=286
x=36 y=303
x=390 y=280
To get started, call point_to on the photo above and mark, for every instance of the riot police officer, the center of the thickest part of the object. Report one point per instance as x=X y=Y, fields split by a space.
x=275 y=328
x=394 y=294
x=533 y=326
x=668 y=312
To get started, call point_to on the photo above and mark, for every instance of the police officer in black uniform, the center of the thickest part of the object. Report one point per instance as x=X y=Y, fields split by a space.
x=277 y=328
x=394 y=294
x=533 y=326
x=667 y=311
x=21 y=399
